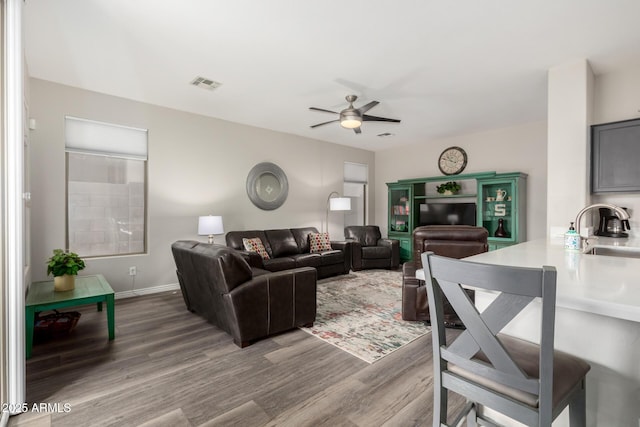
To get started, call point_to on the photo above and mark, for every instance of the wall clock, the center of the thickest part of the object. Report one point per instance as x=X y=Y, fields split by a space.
x=452 y=161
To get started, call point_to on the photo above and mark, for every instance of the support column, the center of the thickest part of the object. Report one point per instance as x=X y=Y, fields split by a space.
x=12 y=233
x=570 y=105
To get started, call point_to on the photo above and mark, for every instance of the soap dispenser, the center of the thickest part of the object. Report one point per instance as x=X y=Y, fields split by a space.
x=572 y=239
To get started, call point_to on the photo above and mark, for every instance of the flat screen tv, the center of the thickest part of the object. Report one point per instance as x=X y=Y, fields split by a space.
x=447 y=214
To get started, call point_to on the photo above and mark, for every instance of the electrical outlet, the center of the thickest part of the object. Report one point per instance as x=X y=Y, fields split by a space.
x=132 y=271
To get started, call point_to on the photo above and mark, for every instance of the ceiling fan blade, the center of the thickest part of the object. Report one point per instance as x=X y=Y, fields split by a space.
x=325 y=123
x=368 y=106
x=357 y=130
x=323 y=110
x=368 y=118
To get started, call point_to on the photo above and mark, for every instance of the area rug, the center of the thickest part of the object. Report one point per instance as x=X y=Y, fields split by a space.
x=360 y=313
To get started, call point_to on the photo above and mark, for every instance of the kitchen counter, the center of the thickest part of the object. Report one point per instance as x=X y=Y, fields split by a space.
x=600 y=284
x=597 y=318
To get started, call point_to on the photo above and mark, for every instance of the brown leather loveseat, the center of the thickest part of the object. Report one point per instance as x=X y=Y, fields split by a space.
x=289 y=248
x=248 y=303
x=454 y=241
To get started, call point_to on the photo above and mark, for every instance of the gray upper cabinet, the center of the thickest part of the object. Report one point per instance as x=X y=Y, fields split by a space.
x=615 y=157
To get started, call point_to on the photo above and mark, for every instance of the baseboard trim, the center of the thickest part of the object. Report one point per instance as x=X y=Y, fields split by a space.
x=147 y=291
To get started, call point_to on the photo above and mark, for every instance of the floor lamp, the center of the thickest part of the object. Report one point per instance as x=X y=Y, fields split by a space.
x=336 y=204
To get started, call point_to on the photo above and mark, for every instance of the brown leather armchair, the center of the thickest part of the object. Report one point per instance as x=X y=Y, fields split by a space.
x=454 y=241
x=369 y=249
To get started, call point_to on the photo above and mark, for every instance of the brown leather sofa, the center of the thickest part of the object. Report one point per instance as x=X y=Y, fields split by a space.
x=289 y=248
x=369 y=249
x=248 y=303
x=455 y=241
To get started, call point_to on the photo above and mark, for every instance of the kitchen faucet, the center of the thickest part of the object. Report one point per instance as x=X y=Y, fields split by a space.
x=620 y=212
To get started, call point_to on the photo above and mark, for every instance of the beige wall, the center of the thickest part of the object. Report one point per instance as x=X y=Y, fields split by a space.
x=197 y=166
x=617 y=95
x=605 y=98
x=514 y=149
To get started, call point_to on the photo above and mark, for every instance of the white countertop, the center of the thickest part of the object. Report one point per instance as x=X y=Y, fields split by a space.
x=599 y=284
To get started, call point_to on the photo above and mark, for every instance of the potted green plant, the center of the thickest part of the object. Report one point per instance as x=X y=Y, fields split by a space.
x=448 y=188
x=64 y=267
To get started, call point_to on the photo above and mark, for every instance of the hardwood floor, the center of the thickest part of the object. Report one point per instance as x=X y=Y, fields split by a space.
x=168 y=367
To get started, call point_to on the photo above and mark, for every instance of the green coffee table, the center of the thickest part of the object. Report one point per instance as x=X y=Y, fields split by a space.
x=88 y=290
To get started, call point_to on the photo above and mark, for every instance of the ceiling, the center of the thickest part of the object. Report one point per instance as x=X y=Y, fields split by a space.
x=443 y=67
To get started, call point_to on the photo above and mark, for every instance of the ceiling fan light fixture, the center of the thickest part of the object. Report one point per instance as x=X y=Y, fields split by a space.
x=350 y=120
x=350 y=123
x=351 y=117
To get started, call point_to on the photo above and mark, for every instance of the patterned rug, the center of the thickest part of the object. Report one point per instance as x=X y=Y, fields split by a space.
x=360 y=313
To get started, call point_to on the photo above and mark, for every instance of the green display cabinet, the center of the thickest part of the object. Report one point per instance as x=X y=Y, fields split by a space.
x=501 y=208
x=400 y=216
x=500 y=200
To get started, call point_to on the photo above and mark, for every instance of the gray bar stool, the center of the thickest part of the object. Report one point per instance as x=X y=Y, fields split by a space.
x=528 y=382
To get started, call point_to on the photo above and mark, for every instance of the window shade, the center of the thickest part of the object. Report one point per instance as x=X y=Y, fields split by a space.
x=88 y=136
x=356 y=172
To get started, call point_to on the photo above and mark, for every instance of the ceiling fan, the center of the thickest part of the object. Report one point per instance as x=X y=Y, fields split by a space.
x=351 y=117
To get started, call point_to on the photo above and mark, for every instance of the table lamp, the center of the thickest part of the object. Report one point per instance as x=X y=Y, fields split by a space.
x=210 y=225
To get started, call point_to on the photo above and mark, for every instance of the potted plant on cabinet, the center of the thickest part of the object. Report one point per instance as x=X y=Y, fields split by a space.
x=448 y=188
x=64 y=267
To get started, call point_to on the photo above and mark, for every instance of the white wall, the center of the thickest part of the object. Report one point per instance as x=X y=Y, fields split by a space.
x=515 y=149
x=197 y=165
x=617 y=97
x=583 y=99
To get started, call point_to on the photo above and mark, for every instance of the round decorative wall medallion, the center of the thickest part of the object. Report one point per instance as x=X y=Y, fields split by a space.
x=267 y=186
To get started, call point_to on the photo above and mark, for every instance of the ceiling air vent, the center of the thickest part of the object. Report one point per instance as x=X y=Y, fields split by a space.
x=386 y=134
x=205 y=83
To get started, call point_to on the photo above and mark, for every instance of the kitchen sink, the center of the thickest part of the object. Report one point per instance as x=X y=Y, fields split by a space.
x=622 y=251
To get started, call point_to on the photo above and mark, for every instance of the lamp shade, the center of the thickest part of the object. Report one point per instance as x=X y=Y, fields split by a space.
x=340 y=204
x=209 y=225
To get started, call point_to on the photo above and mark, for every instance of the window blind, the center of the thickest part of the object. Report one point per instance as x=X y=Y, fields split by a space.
x=92 y=137
x=356 y=172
